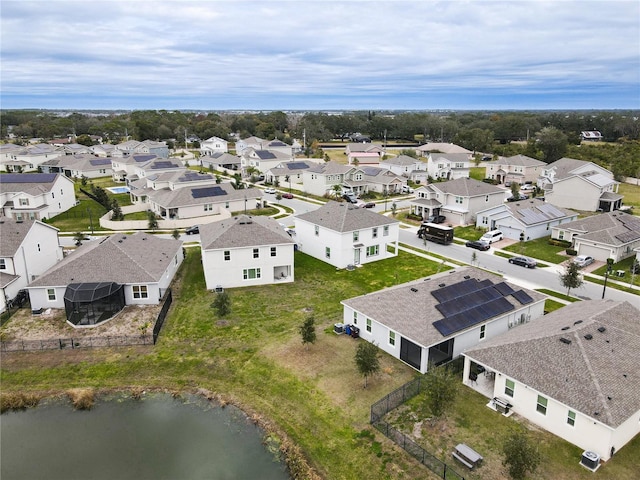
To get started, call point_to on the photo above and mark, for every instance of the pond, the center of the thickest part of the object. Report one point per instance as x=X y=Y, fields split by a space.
x=158 y=437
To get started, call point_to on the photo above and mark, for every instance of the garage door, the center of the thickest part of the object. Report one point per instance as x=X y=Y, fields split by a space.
x=598 y=253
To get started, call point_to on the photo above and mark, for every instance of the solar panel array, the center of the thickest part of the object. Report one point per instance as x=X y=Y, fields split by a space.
x=450 y=292
x=100 y=161
x=163 y=164
x=27 y=177
x=522 y=296
x=193 y=176
x=633 y=224
x=143 y=158
x=473 y=316
x=540 y=213
x=207 y=192
x=468 y=301
x=297 y=165
x=265 y=155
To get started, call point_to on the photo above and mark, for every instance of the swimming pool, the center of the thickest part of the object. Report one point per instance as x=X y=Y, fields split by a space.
x=118 y=189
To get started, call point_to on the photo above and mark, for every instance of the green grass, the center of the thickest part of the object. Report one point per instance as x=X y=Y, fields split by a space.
x=553 y=293
x=631 y=194
x=137 y=216
x=538 y=248
x=624 y=265
x=552 y=305
x=470 y=232
x=478 y=173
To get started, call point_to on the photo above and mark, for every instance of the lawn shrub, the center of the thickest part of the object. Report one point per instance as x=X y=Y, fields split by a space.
x=82 y=398
x=571 y=251
x=559 y=243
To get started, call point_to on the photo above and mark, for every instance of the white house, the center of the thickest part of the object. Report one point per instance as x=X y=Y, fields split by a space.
x=221 y=162
x=406 y=166
x=448 y=166
x=608 y=235
x=125 y=166
x=518 y=168
x=263 y=160
x=580 y=185
x=27 y=250
x=102 y=150
x=35 y=196
x=99 y=278
x=532 y=218
x=29 y=158
x=440 y=147
x=213 y=145
x=573 y=372
x=79 y=165
x=459 y=200
x=130 y=147
x=434 y=320
x=322 y=178
x=289 y=172
x=342 y=234
x=246 y=251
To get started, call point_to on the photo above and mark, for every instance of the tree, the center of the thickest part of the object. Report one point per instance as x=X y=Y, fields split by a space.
x=78 y=237
x=552 y=142
x=308 y=331
x=152 y=220
x=116 y=211
x=394 y=208
x=520 y=454
x=441 y=389
x=367 y=360
x=175 y=234
x=222 y=304
x=515 y=189
x=571 y=277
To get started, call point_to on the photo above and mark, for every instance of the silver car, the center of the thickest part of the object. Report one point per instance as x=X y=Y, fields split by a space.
x=583 y=260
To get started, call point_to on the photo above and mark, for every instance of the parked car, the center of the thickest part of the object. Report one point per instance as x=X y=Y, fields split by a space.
x=269 y=190
x=527 y=187
x=515 y=198
x=407 y=189
x=367 y=205
x=478 y=245
x=350 y=197
x=491 y=181
x=436 y=219
x=523 y=262
x=193 y=230
x=287 y=195
x=492 y=236
x=583 y=260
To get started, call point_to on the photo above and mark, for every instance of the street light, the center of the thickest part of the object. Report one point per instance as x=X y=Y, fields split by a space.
x=606 y=275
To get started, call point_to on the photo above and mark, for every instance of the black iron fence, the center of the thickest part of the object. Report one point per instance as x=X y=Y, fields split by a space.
x=168 y=299
x=392 y=401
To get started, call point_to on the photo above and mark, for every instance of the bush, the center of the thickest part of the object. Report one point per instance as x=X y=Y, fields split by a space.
x=572 y=252
x=82 y=398
x=559 y=243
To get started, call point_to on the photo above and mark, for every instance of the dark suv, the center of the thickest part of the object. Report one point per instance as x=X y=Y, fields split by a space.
x=192 y=230
x=437 y=219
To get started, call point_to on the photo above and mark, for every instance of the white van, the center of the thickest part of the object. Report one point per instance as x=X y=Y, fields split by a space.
x=492 y=236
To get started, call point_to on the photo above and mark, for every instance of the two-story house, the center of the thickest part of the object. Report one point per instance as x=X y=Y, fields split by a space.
x=246 y=251
x=213 y=145
x=29 y=158
x=79 y=165
x=448 y=166
x=342 y=234
x=35 y=196
x=406 y=166
x=263 y=160
x=519 y=169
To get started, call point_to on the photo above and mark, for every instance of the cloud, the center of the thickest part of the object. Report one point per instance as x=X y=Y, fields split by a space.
x=316 y=50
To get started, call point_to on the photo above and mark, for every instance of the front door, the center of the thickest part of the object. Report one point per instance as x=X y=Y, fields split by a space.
x=356 y=256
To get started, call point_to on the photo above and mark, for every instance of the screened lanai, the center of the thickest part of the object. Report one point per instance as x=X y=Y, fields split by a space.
x=93 y=303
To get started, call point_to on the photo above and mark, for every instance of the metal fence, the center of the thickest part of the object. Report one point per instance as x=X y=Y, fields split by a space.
x=168 y=299
x=393 y=401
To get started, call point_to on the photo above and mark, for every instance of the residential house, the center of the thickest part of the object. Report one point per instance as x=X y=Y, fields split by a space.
x=403 y=165
x=151 y=147
x=246 y=251
x=608 y=235
x=525 y=219
x=364 y=179
x=342 y=234
x=213 y=145
x=573 y=372
x=100 y=278
x=103 y=150
x=325 y=178
x=263 y=160
x=9 y=156
x=80 y=165
x=155 y=166
x=76 y=149
x=256 y=143
x=289 y=172
x=125 y=166
x=27 y=249
x=440 y=147
x=580 y=185
x=519 y=169
x=459 y=200
x=221 y=162
x=35 y=196
x=433 y=320
x=366 y=153
x=29 y=158
x=448 y=166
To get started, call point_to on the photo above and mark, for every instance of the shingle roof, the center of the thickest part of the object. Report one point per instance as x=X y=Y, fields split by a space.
x=330 y=168
x=410 y=308
x=31 y=183
x=243 y=231
x=182 y=197
x=598 y=377
x=442 y=147
x=612 y=228
x=120 y=258
x=12 y=234
x=466 y=187
x=344 y=217
x=520 y=161
x=533 y=211
x=402 y=160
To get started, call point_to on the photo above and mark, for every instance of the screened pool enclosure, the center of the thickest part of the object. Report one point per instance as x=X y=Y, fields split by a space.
x=93 y=303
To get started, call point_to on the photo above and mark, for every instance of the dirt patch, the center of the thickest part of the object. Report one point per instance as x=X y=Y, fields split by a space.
x=132 y=320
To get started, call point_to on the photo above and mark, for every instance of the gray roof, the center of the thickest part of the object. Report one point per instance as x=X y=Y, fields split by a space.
x=401 y=160
x=466 y=187
x=120 y=258
x=221 y=158
x=7 y=278
x=451 y=157
x=330 y=168
x=410 y=308
x=519 y=161
x=243 y=231
x=565 y=167
x=13 y=233
x=34 y=183
x=183 y=197
x=598 y=377
x=345 y=217
x=534 y=211
x=442 y=147
x=611 y=228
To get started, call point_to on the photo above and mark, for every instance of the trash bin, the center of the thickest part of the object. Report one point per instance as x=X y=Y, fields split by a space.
x=355 y=332
x=347 y=329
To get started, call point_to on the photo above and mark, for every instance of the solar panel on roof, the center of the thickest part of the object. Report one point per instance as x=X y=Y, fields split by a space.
x=265 y=155
x=207 y=192
x=163 y=164
x=297 y=165
x=100 y=161
x=468 y=318
x=143 y=158
x=473 y=299
x=522 y=296
x=450 y=292
x=503 y=288
x=27 y=177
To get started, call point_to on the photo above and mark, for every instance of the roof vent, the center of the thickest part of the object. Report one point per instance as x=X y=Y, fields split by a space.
x=442 y=285
x=588 y=336
x=466 y=277
x=577 y=322
x=565 y=328
x=565 y=340
x=414 y=289
x=601 y=329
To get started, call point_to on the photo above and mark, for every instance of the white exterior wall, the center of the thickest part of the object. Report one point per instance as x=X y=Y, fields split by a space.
x=229 y=274
x=575 y=193
x=342 y=244
x=625 y=432
x=40 y=299
x=317 y=183
x=153 y=295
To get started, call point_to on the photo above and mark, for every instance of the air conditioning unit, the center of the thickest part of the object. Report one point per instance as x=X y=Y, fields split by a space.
x=590 y=460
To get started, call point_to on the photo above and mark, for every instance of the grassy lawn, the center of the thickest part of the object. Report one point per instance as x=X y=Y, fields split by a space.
x=551 y=305
x=540 y=249
x=631 y=194
x=478 y=173
x=470 y=232
x=553 y=293
x=137 y=216
x=623 y=265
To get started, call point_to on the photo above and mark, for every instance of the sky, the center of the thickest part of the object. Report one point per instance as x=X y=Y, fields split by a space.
x=320 y=55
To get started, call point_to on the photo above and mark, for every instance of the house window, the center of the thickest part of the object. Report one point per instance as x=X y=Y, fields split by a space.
x=485 y=220
x=369 y=325
x=392 y=338
x=317 y=229
x=355 y=317
x=542 y=405
x=24 y=201
x=251 y=273
x=509 y=387
x=375 y=232
x=560 y=235
x=548 y=225
x=18 y=216
x=53 y=194
x=256 y=253
x=51 y=294
x=208 y=207
x=372 y=251
x=571 y=418
x=227 y=255
x=356 y=236
x=327 y=252
x=140 y=291
x=385 y=231
x=273 y=251
x=482 y=331
x=459 y=200
x=3 y=264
